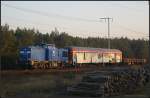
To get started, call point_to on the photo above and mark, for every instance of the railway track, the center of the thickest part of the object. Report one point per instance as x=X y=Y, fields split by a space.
x=63 y=69
x=54 y=70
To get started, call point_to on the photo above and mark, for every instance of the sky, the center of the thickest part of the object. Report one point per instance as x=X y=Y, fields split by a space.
x=80 y=18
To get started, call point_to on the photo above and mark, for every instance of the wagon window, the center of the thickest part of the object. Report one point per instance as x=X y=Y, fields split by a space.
x=64 y=54
x=84 y=56
x=99 y=56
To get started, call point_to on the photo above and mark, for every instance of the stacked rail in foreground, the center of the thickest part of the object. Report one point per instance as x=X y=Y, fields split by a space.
x=111 y=82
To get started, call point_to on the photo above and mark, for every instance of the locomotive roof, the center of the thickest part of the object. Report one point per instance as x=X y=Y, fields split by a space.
x=94 y=49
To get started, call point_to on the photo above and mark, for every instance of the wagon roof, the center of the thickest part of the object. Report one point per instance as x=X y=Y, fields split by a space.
x=94 y=49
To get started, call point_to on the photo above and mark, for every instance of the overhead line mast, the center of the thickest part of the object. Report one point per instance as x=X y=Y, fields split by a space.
x=108 y=20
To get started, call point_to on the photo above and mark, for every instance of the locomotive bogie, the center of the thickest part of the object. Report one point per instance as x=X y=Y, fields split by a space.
x=44 y=64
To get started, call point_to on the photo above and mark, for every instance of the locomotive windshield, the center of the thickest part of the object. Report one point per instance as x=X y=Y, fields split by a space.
x=24 y=54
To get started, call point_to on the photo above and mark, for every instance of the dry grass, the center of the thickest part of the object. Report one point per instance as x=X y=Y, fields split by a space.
x=34 y=84
x=47 y=85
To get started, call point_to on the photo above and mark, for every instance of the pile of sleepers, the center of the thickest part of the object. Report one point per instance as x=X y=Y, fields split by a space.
x=111 y=82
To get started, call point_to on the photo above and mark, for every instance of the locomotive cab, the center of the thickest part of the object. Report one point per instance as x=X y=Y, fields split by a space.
x=63 y=56
x=25 y=55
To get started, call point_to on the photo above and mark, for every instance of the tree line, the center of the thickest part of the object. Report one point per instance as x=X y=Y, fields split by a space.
x=12 y=40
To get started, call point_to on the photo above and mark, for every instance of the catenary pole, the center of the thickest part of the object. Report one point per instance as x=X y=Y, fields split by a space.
x=107 y=19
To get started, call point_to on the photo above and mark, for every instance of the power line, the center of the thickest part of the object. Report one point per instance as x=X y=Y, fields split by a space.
x=51 y=14
x=65 y=17
x=38 y=23
x=30 y=21
x=130 y=7
x=129 y=29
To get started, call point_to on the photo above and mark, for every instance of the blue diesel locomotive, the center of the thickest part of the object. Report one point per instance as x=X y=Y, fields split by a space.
x=46 y=56
x=43 y=56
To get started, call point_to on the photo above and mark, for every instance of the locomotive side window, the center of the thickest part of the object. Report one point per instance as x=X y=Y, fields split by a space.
x=53 y=53
x=64 y=54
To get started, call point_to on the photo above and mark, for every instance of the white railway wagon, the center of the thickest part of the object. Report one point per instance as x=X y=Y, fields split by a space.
x=94 y=55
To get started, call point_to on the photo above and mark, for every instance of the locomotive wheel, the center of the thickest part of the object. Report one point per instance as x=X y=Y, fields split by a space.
x=35 y=66
x=46 y=65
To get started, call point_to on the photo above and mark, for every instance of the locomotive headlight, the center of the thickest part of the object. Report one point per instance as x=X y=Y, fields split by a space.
x=21 y=51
